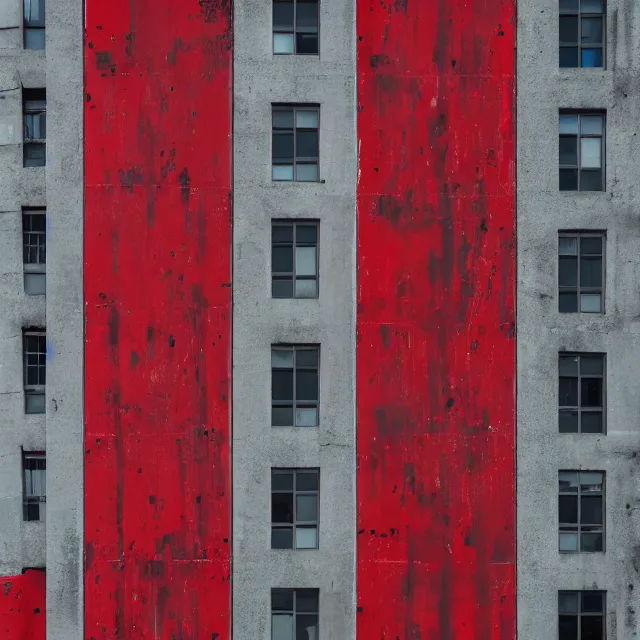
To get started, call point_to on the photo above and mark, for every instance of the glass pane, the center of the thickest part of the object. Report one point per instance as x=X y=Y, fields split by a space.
x=34 y=154
x=568 y=392
x=282 y=387
x=568 y=421
x=591 y=422
x=591 y=542
x=568 y=628
x=568 y=509
x=307 y=627
x=592 y=628
x=282 y=507
x=590 y=509
x=283 y=119
x=282 y=146
x=590 y=481
x=281 y=627
x=307 y=142
x=307 y=357
x=591 y=180
x=282 y=538
x=307 y=43
x=568 y=365
x=282 y=259
x=307 y=481
x=282 y=416
x=591 y=6
x=591 y=30
x=307 y=173
x=282 y=358
x=590 y=150
x=306 y=120
x=568 y=57
x=569 y=150
x=307 y=385
x=568 y=602
x=282 y=600
x=34 y=39
x=568 y=542
x=568 y=5
x=306 y=538
x=306 y=289
x=568 y=481
x=282 y=233
x=283 y=14
x=306 y=508
x=35 y=284
x=591 y=125
x=307 y=601
x=591 y=365
x=568 y=271
x=590 y=303
x=281 y=480
x=591 y=272
x=592 y=602
x=591 y=58
x=32 y=375
x=591 y=245
x=569 y=29
x=282 y=288
x=567 y=246
x=282 y=172
x=35 y=403
x=591 y=390
x=568 y=179
x=568 y=302
x=568 y=124
x=305 y=261
x=307 y=417
x=307 y=233
x=282 y=43
x=307 y=13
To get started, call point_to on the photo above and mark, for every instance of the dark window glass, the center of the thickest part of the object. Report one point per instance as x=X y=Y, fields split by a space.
x=35 y=360
x=581 y=393
x=34 y=24
x=581 y=511
x=34 y=467
x=581 y=151
x=581 y=33
x=294 y=262
x=295 y=27
x=34 y=250
x=35 y=128
x=295 y=143
x=581 y=615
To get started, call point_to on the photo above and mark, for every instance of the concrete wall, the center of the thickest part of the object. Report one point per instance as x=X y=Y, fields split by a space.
x=65 y=100
x=543 y=89
x=261 y=79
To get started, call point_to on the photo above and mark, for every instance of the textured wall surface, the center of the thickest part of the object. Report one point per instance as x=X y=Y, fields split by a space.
x=22 y=606
x=157 y=298
x=435 y=327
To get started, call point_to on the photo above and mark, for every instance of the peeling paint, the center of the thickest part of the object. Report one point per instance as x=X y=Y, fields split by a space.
x=23 y=606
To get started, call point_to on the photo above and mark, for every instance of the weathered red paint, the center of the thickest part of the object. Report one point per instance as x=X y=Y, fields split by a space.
x=435 y=350
x=23 y=606
x=157 y=302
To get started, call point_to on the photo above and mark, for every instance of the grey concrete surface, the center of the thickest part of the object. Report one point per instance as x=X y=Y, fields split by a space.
x=262 y=79
x=543 y=210
x=65 y=325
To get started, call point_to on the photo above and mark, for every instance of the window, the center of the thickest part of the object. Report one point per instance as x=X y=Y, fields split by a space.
x=294 y=386
x=295 y=27
x=295 y=143
x=581 y=511
x=34 y=24
x=294 y=508
x=34 y=250
x=581 y=272
x=581 y=615
x=581 y=393
x=34 y=467
x=581 y=152
x=35 y=367
x=582 y=33
x=294 y=614
x=294 y=259
x=35 y=127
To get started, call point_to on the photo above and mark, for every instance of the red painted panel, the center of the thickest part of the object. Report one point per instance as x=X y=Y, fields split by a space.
x=158 y=323
x=435 y=327
x=23 y=606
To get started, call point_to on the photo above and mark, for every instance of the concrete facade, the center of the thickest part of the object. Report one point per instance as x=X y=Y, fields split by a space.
x=544 y=89
x=260 y=80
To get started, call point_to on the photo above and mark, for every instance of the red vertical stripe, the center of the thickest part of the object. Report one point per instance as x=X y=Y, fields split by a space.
x=435 y=351
x=157 y=301
x=23 y=606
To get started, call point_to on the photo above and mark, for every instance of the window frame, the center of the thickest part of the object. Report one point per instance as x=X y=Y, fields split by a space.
x=580 y=410
x=294 y=613
x=303 y=524
x=294 y=31
x=34 y=101
x=33 y=389
x=283 y=275
x=38 y=268
x=578 y=235
x=295 y=161
x=33 y=499
x=304 y=404
x=577 y=527
x=578 y=45
x=580 y=613
x=579 y=136
x=32 y=25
